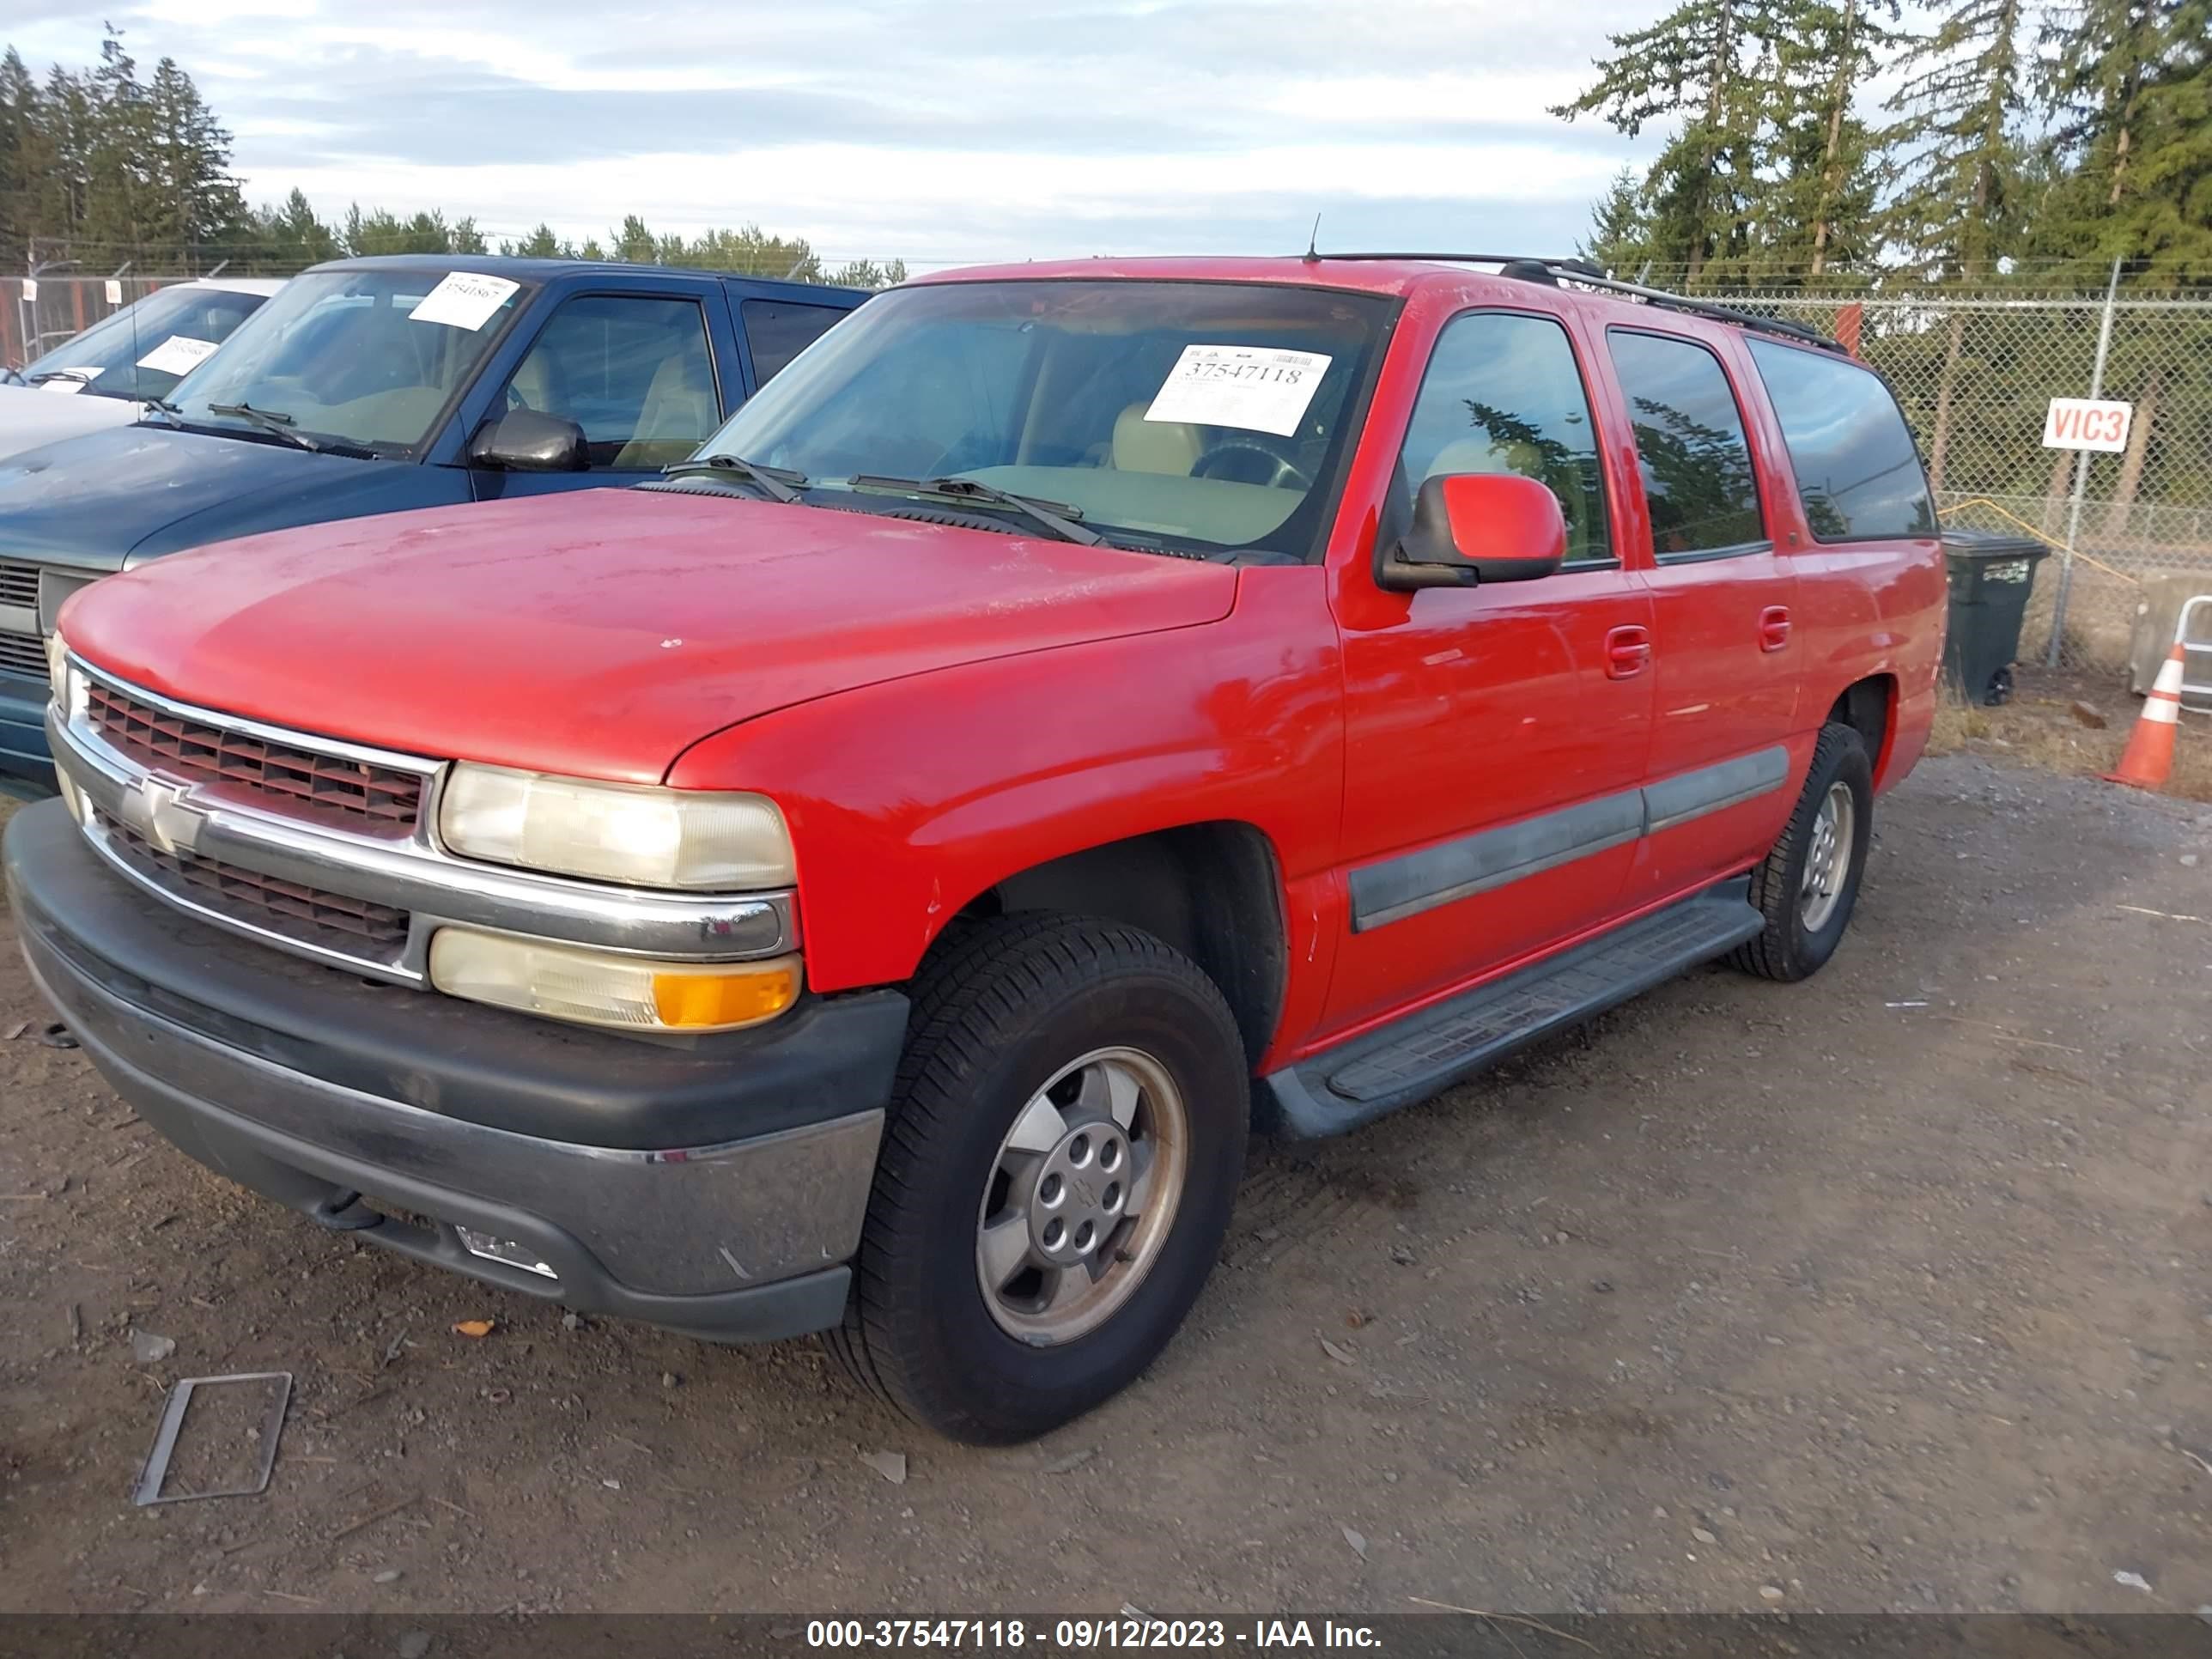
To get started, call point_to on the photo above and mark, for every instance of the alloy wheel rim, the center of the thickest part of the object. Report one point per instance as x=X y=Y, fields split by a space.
x=1082 y=1195
x=1828 y=862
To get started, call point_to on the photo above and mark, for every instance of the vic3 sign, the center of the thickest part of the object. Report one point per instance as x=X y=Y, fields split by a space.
x=2086 y=423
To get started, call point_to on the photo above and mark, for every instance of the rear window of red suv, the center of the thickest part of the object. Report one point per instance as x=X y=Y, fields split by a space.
x=1858 y=472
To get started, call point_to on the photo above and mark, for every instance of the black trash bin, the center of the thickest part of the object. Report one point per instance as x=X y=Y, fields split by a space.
x=1991 y=576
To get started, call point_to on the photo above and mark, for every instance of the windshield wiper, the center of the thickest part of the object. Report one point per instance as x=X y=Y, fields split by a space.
x=82 y=376
x=1057 y=518
x=270 y=421
x=279 y=424
x=773 y=481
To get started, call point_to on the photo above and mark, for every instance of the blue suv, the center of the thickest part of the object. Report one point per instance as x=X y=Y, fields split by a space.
x=378 y=385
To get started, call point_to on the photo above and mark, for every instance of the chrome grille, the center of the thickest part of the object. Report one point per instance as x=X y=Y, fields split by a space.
x=19 y=582
x=331 y=922
x=22 y=653
x=381 y=799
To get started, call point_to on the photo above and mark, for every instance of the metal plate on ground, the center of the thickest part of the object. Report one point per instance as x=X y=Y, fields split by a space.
x=240 y=1432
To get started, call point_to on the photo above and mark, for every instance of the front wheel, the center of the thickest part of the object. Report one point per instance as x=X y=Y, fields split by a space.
x=1808 y=883
x=1060 y=1157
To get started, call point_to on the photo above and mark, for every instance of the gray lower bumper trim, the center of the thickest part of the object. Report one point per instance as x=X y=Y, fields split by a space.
x=690 y=1224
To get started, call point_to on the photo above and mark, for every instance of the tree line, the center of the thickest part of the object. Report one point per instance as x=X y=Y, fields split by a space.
x=2040 y=139
x=2043 y=137
x=115 y=165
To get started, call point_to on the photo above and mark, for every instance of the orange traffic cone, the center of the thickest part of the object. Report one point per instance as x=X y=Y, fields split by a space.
x=2149 y=757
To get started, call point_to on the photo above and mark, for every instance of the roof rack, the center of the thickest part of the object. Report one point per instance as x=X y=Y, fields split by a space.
x=1536 y=268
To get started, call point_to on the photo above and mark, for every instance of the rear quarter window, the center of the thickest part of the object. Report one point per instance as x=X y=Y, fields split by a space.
x=779 y=330
x=1858 y=472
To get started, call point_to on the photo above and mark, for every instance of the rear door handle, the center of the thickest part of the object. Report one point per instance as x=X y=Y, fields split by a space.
x=1626 y=651
x=1774 y=627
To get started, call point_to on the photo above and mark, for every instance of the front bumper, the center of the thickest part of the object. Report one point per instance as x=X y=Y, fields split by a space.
x=714 y=1186
x=27 y=768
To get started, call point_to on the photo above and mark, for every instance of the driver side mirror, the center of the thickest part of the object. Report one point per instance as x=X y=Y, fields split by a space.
x=1474 y=527
x=524 y=440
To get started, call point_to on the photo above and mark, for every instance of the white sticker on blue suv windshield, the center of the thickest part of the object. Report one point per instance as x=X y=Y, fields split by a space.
x=464 y=300
x=1255 y=388
x=180 y=353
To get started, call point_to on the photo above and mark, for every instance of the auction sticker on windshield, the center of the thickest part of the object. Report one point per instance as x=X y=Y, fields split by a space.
x=464 y=300
x=180 y=353
x=1254 y=388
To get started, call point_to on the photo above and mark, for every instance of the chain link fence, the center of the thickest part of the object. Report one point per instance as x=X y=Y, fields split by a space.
x=1976 y=374
x=37 y=314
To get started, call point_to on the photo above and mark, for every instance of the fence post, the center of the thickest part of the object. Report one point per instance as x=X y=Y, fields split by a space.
x=2081 y=479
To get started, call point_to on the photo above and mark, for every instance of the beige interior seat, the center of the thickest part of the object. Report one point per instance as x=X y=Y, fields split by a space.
x=1486 y=455
x=532 y=385
x=678 y=412
x=1143 y=445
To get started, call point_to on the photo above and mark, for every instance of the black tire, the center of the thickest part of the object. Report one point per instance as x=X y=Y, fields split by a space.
x=1786 y=950
x=999 y=1009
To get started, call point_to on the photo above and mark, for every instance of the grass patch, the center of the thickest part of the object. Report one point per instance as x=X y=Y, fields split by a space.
x=2039 y=728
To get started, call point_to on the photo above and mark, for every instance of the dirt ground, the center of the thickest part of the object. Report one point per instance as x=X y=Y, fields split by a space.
x=1888 y=1291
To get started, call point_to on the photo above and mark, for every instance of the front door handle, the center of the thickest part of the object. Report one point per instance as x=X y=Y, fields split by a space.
x=1626 y=651
x=1774 y=627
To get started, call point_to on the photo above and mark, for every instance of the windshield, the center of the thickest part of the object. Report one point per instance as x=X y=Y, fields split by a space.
x=1200 y=416
x=355 y=357
x=145 y=349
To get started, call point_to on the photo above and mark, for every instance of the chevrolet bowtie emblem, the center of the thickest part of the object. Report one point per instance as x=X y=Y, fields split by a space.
x=159 y=811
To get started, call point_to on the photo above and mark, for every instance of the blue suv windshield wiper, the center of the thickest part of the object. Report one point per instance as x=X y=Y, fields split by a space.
x=279 y=424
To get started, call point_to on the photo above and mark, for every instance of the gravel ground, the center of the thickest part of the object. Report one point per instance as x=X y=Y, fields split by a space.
x=1888 y=1291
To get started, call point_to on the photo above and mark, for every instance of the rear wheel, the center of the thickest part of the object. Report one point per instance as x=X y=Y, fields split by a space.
x=1809 y=882
x=1060 y=1157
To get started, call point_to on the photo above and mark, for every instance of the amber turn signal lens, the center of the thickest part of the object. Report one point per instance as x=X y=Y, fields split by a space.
x=718 y=1000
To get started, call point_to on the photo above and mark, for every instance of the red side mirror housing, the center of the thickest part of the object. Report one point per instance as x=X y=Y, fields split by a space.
x=1474 y=527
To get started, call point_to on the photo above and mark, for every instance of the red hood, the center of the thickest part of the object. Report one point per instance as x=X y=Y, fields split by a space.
x=601 y=633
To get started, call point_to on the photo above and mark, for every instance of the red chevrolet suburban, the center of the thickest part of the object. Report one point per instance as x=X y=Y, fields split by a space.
x=873 y=878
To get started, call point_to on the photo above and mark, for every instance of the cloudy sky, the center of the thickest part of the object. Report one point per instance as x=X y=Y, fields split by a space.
x=940 y=133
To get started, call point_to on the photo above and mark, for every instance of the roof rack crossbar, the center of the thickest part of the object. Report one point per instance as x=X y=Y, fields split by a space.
x=1581 y=271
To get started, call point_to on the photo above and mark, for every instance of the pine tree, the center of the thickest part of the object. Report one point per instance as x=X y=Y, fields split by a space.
x=28 y=165
x=540 y=244
x=71 y=128
x=1620 y=240
x=1695 y=63
x=633 y=244
x=294 y=235
x=1961 y=201
x=119 y=147
x=2130 y=83
x=191 y=197
x=1819 y=211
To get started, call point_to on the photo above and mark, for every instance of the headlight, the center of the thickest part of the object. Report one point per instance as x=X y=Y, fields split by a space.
x=644 y=836
x=599 y=987
x=68 y=693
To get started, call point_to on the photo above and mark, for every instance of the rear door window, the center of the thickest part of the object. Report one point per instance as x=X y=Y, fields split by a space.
x=1858 y=472
x=635 y=373
x=1690 y=446
x=778 y=330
